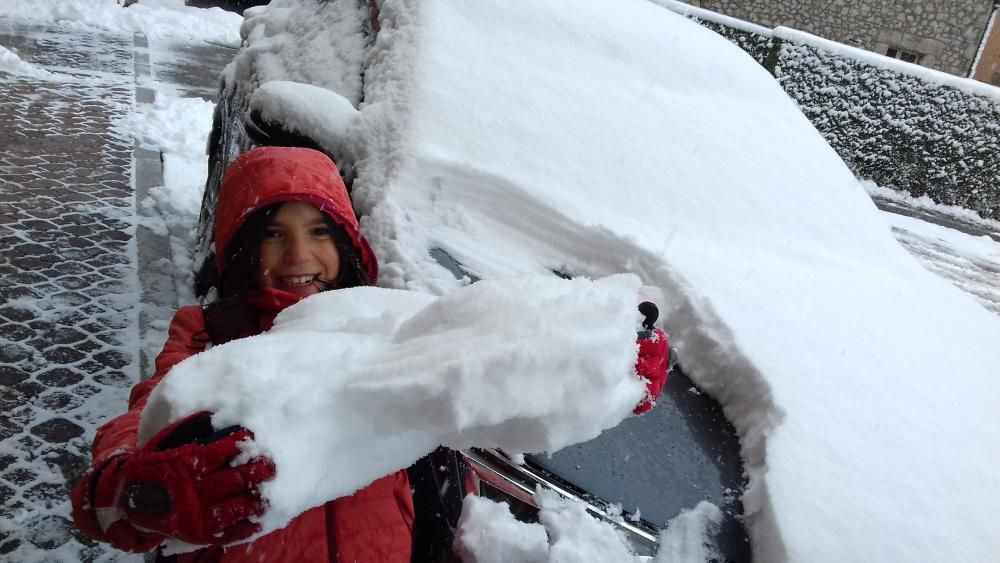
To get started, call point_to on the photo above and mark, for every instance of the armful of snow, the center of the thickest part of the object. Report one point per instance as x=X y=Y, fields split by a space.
x=351 y=385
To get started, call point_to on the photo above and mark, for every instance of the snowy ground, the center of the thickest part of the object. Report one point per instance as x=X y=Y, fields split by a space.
x=70 y=253
x=847 y=468
x=971 y=263
x=954 y=243
x=68 y=284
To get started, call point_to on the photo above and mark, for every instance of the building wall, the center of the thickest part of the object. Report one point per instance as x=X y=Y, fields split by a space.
x=946 y=33
x=988 y=69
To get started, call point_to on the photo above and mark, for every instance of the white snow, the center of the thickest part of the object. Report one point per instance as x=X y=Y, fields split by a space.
x=688 y=537
x=489 y=533
x=567 y=533
x=177 y=128
x=575 y=535
x=970 y=261
x=528 y=364
x=599 y=140
x=297 y=41
x=155 y=18
x=982 y=246
x=317 y=113
x=11 y=63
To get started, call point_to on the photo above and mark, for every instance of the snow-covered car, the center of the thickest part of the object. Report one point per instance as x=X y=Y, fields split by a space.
x=635 y=476
x=489 y=138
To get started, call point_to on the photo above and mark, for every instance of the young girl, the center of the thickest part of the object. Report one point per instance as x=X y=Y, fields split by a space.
x=285 y=229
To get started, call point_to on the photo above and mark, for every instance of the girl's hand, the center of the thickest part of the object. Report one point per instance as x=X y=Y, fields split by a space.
x=653 y=361
x=191 y=492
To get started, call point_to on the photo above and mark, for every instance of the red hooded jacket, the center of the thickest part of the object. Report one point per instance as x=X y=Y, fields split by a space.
x=373 y=525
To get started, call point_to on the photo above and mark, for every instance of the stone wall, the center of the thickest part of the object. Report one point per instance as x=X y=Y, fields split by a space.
x=946 y=33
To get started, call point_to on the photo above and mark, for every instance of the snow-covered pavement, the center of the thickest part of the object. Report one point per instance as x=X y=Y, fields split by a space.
x=67 y=345
x=69 y=291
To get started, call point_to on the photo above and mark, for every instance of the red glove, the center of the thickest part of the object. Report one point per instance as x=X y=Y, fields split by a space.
x=189 y=492
x=652 y=365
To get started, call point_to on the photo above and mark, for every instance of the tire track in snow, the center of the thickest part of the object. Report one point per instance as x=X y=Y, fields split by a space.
x=974 y=275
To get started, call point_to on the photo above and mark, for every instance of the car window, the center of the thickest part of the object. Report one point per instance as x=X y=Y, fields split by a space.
x=668 y=460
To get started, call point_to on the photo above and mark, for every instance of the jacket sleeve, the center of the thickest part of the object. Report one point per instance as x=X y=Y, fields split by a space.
x=185 y=338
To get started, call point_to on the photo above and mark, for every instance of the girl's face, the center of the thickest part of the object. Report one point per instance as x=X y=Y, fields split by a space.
x=298 y=251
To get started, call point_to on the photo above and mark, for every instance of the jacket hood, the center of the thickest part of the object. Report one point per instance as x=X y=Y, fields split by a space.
x=269 y=175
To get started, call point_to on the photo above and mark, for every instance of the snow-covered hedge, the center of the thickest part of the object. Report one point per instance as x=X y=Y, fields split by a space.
x=897 y=129
x=897 y=124
x=760 y=46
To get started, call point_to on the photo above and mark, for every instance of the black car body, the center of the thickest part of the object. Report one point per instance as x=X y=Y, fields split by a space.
x=231 y=5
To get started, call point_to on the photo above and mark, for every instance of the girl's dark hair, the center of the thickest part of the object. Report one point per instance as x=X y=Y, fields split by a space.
x=229 y=317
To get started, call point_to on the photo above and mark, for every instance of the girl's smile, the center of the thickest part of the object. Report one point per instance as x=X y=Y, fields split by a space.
x=298 y=253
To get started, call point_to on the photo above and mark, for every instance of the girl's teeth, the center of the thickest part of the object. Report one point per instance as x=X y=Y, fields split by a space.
x=298 y=281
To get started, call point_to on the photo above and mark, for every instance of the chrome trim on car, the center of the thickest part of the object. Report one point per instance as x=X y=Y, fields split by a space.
x=521 y=481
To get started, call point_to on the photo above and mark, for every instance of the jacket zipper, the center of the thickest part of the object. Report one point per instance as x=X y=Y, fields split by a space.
x=331 y=537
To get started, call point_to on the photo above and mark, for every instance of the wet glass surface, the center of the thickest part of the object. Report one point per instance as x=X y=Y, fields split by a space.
x=680 y=453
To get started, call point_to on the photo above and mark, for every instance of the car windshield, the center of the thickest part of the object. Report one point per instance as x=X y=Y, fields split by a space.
x=681 y=452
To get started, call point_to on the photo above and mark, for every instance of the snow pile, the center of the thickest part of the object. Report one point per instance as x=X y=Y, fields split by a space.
x=301 y=41
x=178 y=128
x=489 y=533
x=687 y=538
x=155 y=18
x=317 y=113
x=575 y=535
x=10 y=63
x=173 y=124
x=526 y=364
